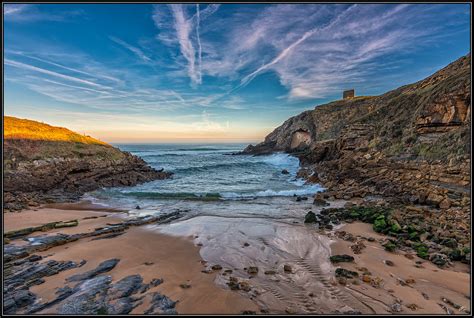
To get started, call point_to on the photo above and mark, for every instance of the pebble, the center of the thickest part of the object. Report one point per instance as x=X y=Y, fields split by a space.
x=389 y=263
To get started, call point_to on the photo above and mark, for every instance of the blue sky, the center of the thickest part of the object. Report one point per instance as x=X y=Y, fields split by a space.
x=199 y=72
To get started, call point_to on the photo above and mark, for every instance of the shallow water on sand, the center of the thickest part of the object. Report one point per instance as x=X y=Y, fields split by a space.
x=249 y=239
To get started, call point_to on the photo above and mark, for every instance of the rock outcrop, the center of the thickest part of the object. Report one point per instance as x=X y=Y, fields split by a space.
x=410 y=147
x=85 y=293
x=64 y=166
x=417 y=119
x=412 y=143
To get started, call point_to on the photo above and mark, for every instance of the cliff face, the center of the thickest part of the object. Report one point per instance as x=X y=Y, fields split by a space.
x=411 y=144
x=414 y=120
x=47 y=164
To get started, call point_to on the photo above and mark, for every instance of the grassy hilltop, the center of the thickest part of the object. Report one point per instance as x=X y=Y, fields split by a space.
x=26 y=139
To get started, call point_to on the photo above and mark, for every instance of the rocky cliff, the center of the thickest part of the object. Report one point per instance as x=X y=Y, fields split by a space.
x=411 y=144
x=43 y=163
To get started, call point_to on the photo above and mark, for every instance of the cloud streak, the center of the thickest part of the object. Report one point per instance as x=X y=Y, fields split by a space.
x=287 y=51
x=198 y=18
x=132 y=49
x=190 y=45
x=183 y=29
x=11 y=9
x=51 y=73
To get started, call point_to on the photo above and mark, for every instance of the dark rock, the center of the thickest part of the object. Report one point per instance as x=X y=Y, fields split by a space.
x=341 y=272
x=310 y=217
x=341 y=258
x=233 y=283
x=449 y=243
x=284 y=171
x=18 y=299
x=184 y=286
x=88 y=298
x=156 y=281
x=439 y=259
x=108 y=236
x=301 y=198
x=389 y=246
x=160 y=304
x=328 y=227
x=34 y=258
x=358 y=247
x=320 y=202
x=125 y=287
x=121 y=306
x=102 y=268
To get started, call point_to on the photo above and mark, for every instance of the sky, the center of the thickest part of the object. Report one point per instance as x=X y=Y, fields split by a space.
x=146 y=73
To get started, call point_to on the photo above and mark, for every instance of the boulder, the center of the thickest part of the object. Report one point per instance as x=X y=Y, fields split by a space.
x=341 y=258
x=342 y=272
x=310 y=217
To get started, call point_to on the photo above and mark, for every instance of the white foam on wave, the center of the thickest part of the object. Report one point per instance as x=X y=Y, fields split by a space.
x=281 y=160
x=307 y=190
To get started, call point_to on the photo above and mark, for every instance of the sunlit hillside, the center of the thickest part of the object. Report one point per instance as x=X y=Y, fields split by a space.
x=16 y=128
x=30 y=140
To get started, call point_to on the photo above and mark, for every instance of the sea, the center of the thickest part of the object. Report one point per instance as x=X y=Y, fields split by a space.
x=208 y=173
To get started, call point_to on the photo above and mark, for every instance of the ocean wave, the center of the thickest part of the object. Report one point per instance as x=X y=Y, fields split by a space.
x=201 y=149
x=217 y=166
x=310 y=190
x=174 y=196
x=280 y=160
x=164 y=155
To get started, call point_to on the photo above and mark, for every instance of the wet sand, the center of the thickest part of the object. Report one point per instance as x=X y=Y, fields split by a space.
x=436 y=283
x=268 y=246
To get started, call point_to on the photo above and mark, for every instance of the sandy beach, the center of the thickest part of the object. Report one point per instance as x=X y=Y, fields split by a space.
x=184 y=262
x=152 y=255
x=418 y=288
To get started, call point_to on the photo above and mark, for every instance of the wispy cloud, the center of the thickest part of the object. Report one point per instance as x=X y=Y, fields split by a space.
x=287 y=51
x=132 y=49
x=319 y=50
x=33 y=13
x=11 y=9
x=183 y=27
x=183 y=30
x=51 y=73
x=75 y=70
x=198 y=18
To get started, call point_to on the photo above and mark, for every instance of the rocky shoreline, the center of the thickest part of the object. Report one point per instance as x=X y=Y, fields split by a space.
x=402 y=158
x=40 y=170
